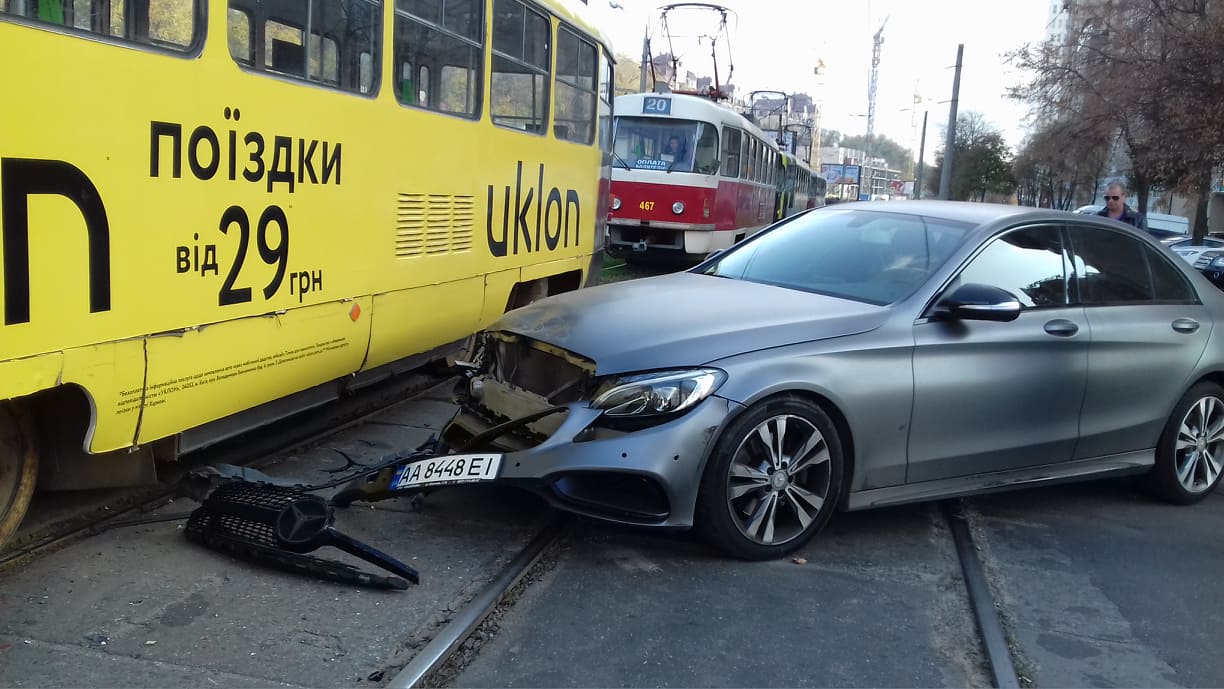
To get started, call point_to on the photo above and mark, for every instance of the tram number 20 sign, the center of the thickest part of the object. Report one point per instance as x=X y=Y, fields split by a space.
x=652 y=105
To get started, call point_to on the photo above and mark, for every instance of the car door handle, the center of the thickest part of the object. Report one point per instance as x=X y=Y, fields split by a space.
x=1186 y=325
x=1061 y=327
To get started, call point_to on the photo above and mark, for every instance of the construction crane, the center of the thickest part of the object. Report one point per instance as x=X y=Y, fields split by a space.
x=878 y=41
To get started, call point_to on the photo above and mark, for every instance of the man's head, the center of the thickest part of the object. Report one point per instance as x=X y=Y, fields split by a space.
x=1115 y=197
x=673 y=144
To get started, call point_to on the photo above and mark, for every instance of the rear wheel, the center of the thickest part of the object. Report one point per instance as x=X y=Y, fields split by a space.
x=1191 y=448
x=18 y=467
x=773 y=481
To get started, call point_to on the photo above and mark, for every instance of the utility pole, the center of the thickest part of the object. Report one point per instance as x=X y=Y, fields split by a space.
x=945 y=179
x=645 y=58
x=921 y=151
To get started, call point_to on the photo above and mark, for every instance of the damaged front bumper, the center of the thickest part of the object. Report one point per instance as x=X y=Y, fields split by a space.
x=648 y=476
x=525 y=420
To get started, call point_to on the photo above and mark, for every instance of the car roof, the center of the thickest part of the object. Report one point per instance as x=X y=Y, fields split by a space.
x=964 y=211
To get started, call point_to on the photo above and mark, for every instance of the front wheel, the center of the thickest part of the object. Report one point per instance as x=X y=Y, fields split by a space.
x=1191 y=448
x=18 y=467
x=773 y=480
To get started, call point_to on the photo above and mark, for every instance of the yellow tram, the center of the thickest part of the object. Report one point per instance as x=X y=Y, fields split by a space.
x=213 y=215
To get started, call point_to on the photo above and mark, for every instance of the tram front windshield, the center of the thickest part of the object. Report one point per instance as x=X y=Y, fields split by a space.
x=644 y=143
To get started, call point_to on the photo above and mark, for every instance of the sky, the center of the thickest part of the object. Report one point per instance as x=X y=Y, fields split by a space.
x=775 y=44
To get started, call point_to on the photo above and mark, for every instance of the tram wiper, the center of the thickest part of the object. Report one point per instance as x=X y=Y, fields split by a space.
x=622 y=161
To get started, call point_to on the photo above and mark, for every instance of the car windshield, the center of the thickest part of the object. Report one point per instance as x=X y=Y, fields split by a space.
x=868 y=256
x=665 y=144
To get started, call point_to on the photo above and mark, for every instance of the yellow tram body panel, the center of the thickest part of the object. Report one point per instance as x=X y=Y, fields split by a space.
x=201 y=237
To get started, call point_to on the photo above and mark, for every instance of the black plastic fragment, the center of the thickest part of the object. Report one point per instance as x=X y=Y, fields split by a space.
x=275 y=525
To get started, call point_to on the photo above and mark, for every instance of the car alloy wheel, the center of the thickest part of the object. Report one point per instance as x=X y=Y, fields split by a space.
x=1200 y=445
x=773 y=481
x=1191 y=448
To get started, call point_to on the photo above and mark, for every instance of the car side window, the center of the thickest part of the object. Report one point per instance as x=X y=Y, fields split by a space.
x=1030 y=262
x=1111 y=267
x=1170 y=284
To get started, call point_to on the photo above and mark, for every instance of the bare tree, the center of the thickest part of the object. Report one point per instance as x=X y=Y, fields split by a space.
x=1056 y=164
x=1147 y=71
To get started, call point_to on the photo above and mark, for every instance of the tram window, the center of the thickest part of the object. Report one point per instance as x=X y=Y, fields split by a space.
x=285 y=49
x=575 y=98
x=755 y=169
x=705 y=159
x=443 y=37
x=746 y=156
x=423 y=98
x=171 y=24
x=340 y=49
x=521 y=59
x=240 y=46
x=606 y=81
x=731 y=152
x=285 y=53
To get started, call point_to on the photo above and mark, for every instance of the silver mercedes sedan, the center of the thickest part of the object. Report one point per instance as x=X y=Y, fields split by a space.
x=857 y=356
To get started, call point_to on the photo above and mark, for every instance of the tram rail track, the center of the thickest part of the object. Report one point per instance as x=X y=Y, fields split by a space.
x=439 y=662
x=254 y=449
x=441 y=658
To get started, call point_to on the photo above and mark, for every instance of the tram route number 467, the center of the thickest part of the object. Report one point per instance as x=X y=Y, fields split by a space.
x=271 y=239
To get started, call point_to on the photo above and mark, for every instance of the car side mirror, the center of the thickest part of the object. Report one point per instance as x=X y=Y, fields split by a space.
x=977 y=302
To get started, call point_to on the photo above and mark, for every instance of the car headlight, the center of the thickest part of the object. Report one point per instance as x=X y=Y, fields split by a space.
x=678 y=207
x=1217 y=262
x=615 y=203
x=654 y=394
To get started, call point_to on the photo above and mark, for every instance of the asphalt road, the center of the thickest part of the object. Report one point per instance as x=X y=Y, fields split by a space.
x=1098 y=585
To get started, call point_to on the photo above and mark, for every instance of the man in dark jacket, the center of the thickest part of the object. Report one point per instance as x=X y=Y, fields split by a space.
x=1116 y=208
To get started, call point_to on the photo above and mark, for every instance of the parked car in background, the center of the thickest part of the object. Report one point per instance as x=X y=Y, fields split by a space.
x=1187 y=249
x=854 y=357
x=1207 y=257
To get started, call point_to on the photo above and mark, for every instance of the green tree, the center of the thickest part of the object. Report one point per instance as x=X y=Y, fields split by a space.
x=897 y=156
x=628 y=75
x=981 y=164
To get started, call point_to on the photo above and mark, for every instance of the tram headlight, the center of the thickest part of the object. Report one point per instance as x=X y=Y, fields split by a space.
x=678 y=207
x=615 y=203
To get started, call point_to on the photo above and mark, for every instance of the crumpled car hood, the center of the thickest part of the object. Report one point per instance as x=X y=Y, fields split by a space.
x=684 y=319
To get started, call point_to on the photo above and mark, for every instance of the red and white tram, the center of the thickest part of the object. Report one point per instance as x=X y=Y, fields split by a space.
x=689 y=176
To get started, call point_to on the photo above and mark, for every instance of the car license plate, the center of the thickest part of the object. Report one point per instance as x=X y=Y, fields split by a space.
x=448 y=469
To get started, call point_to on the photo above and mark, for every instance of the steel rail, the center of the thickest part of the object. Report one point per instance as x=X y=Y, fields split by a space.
x=994 y=641
x=276 y=438
x=451 y=637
